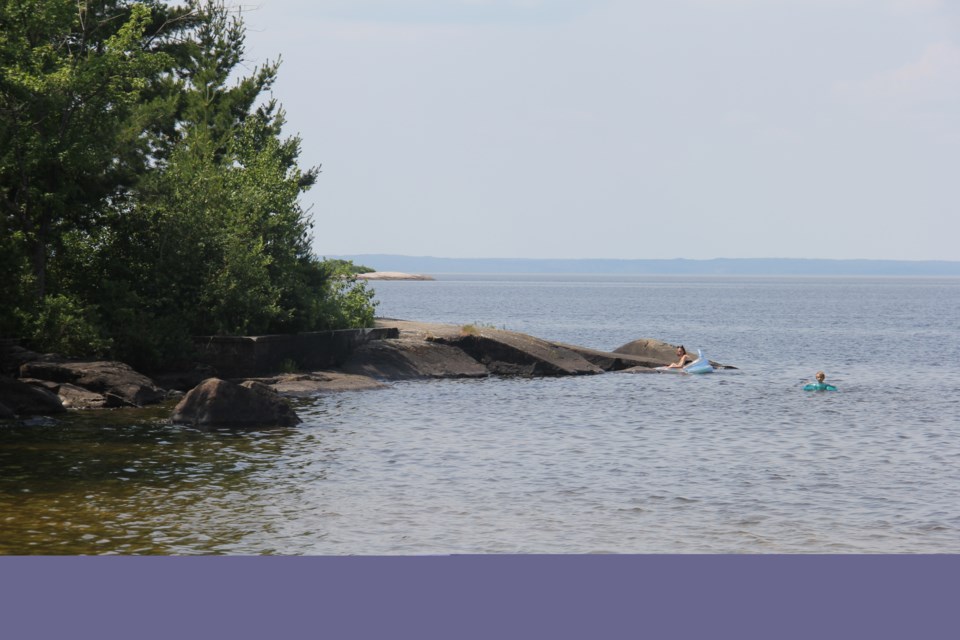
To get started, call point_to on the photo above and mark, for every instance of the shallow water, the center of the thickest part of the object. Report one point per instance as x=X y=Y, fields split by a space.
x=733 y=462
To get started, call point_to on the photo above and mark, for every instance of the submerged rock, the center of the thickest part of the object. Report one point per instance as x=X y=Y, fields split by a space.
x=217 y=402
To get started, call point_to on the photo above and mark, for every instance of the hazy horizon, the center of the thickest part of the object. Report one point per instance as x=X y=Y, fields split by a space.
x=676 y=266
x=624 y=130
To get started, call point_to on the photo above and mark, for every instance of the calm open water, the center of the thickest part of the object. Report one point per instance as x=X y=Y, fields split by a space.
x=733 y=462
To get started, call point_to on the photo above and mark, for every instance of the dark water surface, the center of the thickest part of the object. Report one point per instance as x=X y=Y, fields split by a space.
x=733 y=462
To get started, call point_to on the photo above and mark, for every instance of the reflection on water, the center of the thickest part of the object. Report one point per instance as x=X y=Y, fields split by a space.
x=108 y=482
x=604 y=464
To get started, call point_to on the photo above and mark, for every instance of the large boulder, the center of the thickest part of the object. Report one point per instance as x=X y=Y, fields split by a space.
x=24 y=399
x=404 y=359
x=217 y=402
x=115 y=381
x=510 y=353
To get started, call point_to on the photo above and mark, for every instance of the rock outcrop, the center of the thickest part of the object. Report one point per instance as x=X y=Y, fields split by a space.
x=219 y=403
x=500 y=352
x=662 y=353
x=72 y=396
x=118 y=383
x=401 y=350
x=612 y=361
x=406 y=358
x=22 y=399
x=509 y=353
x=496 y=351
x=309 y=384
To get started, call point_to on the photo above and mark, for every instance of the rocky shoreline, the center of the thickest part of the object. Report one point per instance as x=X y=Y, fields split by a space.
x=44 y=385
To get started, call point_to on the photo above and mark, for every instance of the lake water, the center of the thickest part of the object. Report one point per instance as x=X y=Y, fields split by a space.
x=733 y=462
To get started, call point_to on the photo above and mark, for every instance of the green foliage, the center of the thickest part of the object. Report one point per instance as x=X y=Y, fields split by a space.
x=70 y=78
x=65 y=325
x=348 y=301
x=289 y=365
x=14 y=283
x=142 y=199
x=348 y=266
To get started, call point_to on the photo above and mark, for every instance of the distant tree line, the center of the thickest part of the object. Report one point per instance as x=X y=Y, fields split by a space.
x=348 y=266
x=146 y=192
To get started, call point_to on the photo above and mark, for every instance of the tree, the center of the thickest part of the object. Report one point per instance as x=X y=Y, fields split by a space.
x=70 y=76
x=214 y=239
x=148 y=193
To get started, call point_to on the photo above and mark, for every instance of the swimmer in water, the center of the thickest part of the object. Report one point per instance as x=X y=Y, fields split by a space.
x=819 y=385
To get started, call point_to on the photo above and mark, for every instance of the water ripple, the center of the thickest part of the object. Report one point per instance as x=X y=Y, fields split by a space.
x=736 y=462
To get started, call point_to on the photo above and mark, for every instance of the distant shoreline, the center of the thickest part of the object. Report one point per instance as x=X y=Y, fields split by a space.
x=392 y=275
x=718 y=266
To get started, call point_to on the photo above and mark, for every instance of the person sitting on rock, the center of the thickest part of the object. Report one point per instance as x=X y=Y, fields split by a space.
x=685 y=359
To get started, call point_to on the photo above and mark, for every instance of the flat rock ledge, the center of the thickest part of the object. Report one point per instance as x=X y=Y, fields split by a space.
x=515 y=354
x=298 y=385
x=471 y=351
x=497 y=351
x=412 y=358
x=613 y=361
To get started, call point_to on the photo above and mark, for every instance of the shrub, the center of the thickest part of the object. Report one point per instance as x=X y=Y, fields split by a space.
x=63 y=325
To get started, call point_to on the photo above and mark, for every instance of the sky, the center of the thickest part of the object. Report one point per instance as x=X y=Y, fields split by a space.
x=637 y=129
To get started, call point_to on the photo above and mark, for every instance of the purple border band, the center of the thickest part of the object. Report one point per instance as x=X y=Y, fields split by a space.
x=481 y=597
